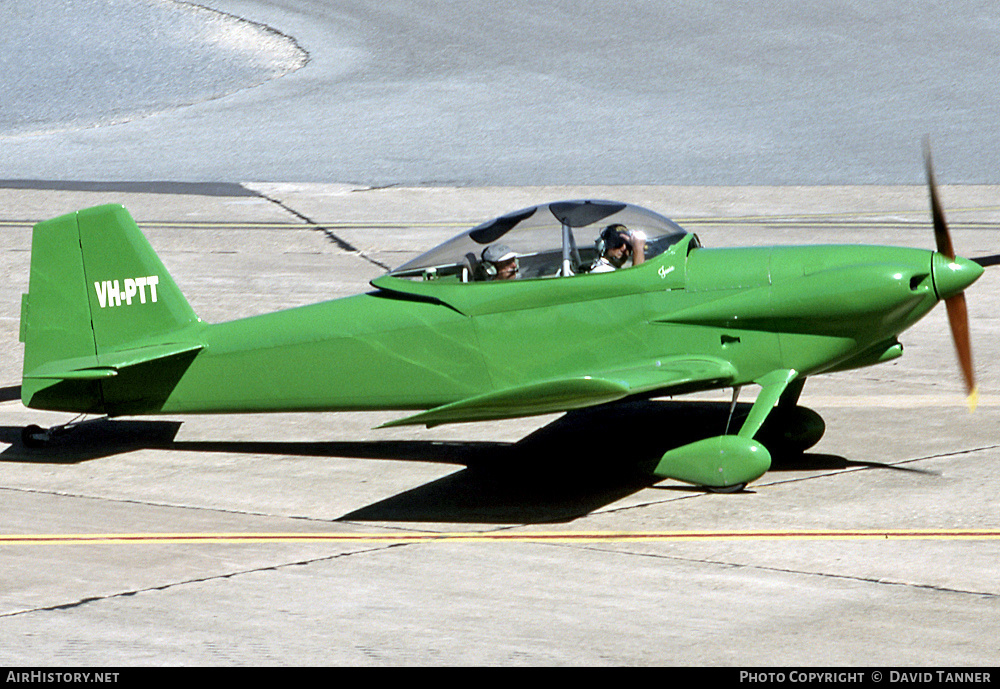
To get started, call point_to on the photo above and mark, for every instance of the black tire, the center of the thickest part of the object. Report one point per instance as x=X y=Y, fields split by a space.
x=34 y=436
x=726 y=489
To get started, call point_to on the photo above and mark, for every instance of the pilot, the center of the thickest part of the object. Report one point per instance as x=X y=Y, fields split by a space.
x=500 y=263
x=614 y=246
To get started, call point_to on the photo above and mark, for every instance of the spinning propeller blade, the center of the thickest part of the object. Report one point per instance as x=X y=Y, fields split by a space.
x=986 y=261
x=958 y=316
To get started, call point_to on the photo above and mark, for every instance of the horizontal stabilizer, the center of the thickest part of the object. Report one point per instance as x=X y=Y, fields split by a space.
x=107 y=365
x=566 y=394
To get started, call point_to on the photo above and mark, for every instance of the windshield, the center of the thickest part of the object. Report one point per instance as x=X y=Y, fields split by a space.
x=549 y=240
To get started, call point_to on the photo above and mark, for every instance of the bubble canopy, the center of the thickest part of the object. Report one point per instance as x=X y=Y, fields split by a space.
x=550 y=240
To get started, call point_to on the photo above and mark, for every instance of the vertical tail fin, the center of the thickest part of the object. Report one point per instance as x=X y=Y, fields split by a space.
x=132 y=296
x=96 y=288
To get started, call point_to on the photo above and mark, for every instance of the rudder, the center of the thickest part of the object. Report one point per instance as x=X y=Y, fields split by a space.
x=132 y=296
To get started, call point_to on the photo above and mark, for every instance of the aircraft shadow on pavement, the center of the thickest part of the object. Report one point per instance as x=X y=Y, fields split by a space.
x=582 y=461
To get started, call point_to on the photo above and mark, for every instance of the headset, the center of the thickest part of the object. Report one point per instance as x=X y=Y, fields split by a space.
x=611 y=238
x=489 y=269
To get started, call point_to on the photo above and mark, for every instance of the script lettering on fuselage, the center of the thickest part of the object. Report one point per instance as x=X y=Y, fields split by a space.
x=110 y=293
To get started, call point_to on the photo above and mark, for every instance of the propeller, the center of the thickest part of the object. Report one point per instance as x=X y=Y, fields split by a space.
x=986 y=261
x=958 y=315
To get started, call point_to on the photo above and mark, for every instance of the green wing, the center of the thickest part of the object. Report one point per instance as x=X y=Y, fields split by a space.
x=663 y=376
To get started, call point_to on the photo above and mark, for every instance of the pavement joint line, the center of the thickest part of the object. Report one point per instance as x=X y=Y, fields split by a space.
x=390 y=528
x=229 y=538
x=283 y=226
x=764 y=484
x=824 y=575
x=149 y=503
x=330 y=234
x=939 y=455
x=823 y=219
x=4 y=540
x=866 y=466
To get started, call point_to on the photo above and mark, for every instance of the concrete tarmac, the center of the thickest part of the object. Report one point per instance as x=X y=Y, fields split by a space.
x=298 y=539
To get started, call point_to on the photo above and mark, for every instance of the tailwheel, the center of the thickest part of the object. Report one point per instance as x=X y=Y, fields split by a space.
x=35 y=436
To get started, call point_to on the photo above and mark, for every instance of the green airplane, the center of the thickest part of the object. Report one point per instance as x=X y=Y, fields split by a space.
x=107 y=331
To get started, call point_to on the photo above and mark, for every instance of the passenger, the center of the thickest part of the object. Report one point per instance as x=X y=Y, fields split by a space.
x=614 y=247
x=500 y=263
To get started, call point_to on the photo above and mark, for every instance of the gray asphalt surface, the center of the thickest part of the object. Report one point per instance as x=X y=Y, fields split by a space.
x=467 y=93
x=86 y=64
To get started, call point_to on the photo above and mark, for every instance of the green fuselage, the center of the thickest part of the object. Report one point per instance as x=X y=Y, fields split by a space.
x=418 y=345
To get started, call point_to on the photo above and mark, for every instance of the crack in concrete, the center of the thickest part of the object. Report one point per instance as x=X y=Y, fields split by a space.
x=327 y=232
x=199 y=580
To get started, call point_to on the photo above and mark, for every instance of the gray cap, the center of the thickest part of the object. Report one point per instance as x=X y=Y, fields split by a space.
x=498 y=253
